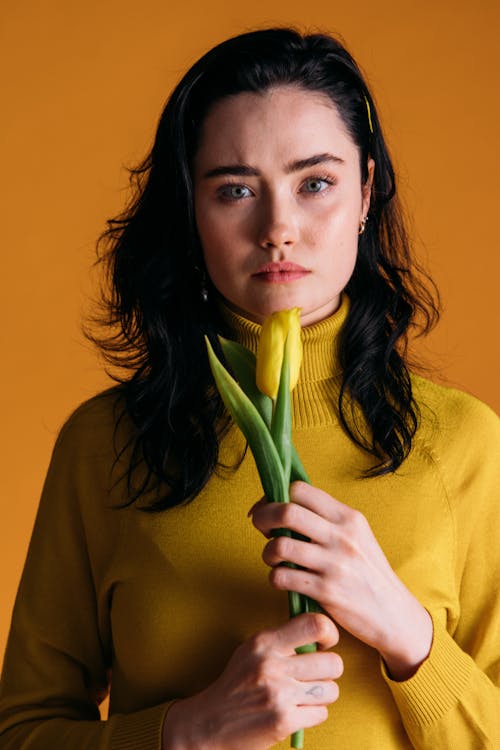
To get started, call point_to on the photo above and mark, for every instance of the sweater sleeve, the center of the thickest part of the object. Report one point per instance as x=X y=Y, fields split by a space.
x=453 y=701
x=58 y=654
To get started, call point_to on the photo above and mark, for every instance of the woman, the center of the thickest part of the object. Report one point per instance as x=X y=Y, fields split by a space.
x=269 y=186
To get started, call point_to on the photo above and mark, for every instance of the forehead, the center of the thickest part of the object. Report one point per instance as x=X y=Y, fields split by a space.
x=282 y=122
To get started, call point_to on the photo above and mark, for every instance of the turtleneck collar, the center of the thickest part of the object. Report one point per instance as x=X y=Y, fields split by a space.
x=319 y=341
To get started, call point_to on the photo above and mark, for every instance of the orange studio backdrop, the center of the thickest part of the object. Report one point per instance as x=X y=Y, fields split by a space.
x=83 y=85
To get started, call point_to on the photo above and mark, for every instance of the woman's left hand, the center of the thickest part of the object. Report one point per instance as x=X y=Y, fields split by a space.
x=344 y=569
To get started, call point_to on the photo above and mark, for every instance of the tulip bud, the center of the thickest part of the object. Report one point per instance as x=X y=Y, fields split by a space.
x=274 y=333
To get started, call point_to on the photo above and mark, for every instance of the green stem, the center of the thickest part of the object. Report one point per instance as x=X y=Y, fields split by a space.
x=276 y=458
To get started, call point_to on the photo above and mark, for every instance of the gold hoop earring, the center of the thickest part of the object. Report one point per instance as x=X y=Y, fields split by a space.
x=362 y=224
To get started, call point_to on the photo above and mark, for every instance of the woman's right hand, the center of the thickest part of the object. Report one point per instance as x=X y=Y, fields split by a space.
x=265 y=693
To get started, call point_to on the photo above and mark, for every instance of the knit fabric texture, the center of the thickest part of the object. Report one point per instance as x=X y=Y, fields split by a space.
x=151 y=606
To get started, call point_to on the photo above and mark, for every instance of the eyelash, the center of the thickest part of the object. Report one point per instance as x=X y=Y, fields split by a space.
x=321 y=178
x=314 y=178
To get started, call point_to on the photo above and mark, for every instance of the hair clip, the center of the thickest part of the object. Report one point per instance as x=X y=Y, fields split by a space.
x=369 y=115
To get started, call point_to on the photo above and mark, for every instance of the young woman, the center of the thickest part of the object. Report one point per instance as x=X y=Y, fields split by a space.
x=269 y=186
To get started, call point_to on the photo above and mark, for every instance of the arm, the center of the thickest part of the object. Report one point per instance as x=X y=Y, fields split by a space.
x=58 y=651
x=444 y=676
x=454 y=698
x=266 y=692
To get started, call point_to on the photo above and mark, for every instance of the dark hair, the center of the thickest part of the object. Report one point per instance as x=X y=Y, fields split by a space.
x=154 y=316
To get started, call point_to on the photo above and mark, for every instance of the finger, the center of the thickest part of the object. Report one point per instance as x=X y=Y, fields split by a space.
x=318 y=665
x=311 y=627
x=311 y=716
x=318 y=693
x=302 y=581
x=270 y=516
x=286 y=549
x=319 y=502
x=262 y=501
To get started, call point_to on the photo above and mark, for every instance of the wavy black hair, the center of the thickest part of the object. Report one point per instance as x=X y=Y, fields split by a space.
x=154 y=321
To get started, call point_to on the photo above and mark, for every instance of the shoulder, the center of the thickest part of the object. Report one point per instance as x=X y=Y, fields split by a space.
x=450 y=411
x=97 y=429
x=460 y=433
x=94 y=417
x=91 y=456
x=84 y=482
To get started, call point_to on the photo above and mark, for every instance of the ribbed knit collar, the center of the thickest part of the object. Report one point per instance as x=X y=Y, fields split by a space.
x=319 y=341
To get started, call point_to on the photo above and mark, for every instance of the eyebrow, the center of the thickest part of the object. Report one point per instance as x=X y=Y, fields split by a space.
x=243 y=170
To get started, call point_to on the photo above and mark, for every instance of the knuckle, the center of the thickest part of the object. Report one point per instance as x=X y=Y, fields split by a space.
x=279 y=577
x=335 y=665
x=284 y=546
x=282 y=724
x=320 y=627
x=334 y=692
x=290 y=514
x=357 y=521
x=331 y=592
x=321 y=714
x=260 y=643
x=265 y=673
x=338 y=665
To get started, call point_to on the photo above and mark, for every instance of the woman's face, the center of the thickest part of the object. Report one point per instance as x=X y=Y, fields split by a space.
x=278 y=201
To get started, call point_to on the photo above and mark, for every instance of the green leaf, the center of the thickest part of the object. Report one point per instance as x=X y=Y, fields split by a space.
x=243 y=363
x=297 y=470
x=275 y=456
x=253 y=428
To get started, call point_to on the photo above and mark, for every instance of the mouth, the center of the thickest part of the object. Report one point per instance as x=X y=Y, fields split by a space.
x=280 y=273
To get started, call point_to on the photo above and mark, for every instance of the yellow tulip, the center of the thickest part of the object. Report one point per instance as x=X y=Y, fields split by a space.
x=268 y=427
x=274 y=333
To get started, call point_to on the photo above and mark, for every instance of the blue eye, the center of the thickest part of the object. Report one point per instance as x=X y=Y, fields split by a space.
x=234 y=192
x=317 y=184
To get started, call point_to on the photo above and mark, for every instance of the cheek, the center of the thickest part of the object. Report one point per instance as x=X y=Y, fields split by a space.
x=337 y=228
x=204 y=223
x=223 y=239
x=348 y=251
x=212 y=240
x=218 y=249
x=338 y=246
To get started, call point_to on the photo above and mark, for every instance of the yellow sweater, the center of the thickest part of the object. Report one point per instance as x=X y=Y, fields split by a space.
x=155 y=604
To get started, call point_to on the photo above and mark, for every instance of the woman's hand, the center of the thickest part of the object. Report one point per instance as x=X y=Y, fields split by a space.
x=344 y=569
x=265 y=693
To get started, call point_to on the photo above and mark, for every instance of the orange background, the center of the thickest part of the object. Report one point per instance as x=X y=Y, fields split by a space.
x=83 y=86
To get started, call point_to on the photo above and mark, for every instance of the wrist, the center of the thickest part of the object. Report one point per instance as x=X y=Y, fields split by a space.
x=407 y=653
x=174 y=734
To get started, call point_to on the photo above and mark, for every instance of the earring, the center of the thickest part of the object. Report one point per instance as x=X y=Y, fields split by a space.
x=362 y=224
x=203 y=283
x=204 y=290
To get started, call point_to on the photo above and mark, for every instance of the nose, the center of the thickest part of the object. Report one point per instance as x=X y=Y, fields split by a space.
x=278 y=229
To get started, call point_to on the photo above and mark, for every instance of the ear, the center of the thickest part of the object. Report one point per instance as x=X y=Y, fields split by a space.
x=366 y=189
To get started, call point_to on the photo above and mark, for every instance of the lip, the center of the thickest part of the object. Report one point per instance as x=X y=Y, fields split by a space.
x=280 y=273
x=283 y=267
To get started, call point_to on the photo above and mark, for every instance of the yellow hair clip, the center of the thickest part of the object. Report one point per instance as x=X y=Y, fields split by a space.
x=369 y=115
